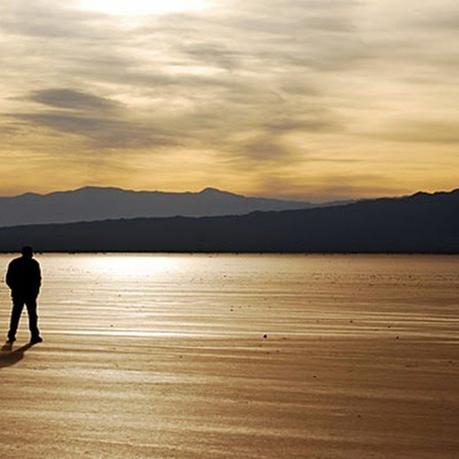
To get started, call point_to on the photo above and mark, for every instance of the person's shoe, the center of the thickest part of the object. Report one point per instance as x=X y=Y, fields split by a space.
x=36 y=340
x=8 y=346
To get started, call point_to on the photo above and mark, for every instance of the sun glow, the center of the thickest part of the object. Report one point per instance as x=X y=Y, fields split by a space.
x=141 y=7
x=126 y=266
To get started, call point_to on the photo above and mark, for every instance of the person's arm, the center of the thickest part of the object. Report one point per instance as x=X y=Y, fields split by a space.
x=10 y=277
x=38 y=276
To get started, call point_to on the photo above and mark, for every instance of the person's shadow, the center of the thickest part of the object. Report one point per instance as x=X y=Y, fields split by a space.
x=8 y=357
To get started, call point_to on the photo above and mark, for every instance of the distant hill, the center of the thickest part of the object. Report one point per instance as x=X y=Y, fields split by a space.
x=422 y=223
x=93 y=203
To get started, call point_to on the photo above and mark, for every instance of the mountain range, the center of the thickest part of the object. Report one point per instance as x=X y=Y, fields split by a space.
x=93 y=203
x=421 y=223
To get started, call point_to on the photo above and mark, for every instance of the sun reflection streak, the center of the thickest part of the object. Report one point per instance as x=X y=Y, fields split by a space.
x=131 y=266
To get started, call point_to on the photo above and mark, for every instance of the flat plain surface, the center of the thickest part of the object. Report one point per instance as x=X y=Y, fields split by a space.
x=164 y=356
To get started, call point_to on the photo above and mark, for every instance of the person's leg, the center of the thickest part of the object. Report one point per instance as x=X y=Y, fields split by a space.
x=31 y=304
x=18 y=305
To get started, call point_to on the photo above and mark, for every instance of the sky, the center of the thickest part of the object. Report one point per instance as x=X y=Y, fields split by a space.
x=304 y=99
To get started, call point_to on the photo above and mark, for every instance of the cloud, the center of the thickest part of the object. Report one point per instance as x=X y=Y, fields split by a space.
x=263 y=150
x=103 y=122
x=329 y=188
x=259 y=86
x=72 y=99
x=303 y=125
x=49 y=20
x=423 y=131
x=101 y=132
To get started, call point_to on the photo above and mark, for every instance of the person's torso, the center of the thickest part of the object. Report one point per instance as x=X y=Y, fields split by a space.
x=25 y=275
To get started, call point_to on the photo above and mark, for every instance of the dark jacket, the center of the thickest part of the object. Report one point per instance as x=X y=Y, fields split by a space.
x=24 y=277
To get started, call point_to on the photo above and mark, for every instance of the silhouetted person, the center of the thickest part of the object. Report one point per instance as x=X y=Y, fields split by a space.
x=24 y=280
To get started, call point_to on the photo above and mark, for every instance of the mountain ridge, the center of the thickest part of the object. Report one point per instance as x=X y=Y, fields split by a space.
x=92 y=203
x=86 y=188
x=419 y=223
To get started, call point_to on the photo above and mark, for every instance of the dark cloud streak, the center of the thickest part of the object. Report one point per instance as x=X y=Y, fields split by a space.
x=72 y=99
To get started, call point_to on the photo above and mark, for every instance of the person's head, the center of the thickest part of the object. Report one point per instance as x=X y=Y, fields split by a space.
x=27 y=252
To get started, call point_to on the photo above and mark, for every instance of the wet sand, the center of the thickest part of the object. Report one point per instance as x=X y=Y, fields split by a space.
x=165 y=356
